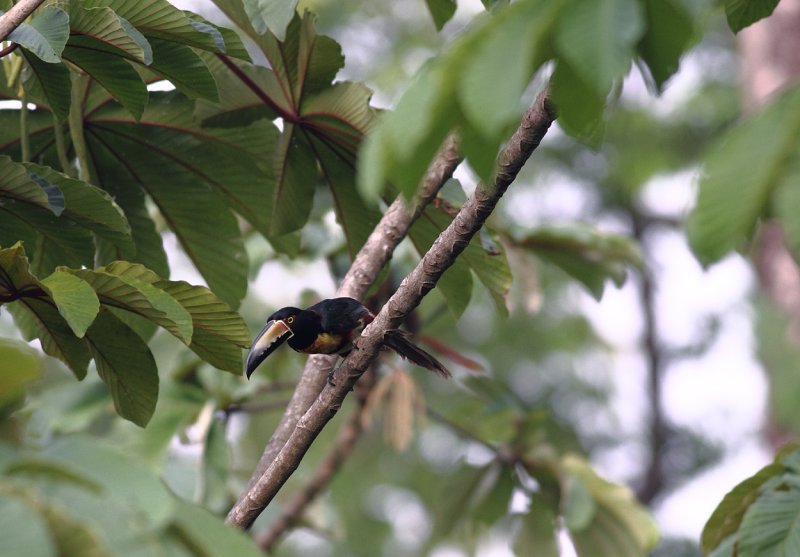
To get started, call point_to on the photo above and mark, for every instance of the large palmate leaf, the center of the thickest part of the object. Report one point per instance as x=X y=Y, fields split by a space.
x=323 y=123
x=192 y=174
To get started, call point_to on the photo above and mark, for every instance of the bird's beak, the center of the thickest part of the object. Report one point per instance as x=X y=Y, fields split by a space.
x=271 y=337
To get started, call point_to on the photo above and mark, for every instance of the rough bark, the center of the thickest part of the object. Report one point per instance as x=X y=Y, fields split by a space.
x=16 y=15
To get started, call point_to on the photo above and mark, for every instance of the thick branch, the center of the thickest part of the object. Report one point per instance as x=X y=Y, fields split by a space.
x=343 y=446
x=447 y=247
x=16 y=15
x=375 y=253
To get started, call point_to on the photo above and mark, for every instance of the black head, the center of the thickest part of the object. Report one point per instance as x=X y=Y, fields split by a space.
x=277 y=331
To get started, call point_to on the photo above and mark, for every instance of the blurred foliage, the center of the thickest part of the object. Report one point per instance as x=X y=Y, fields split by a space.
x=501 y=453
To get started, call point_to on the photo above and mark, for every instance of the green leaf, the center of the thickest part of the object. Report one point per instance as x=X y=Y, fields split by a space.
x=45 y=35
x=219 y=332
x=126 y=366
x=122 y=477
x=619 y=527
x=196 y=527
x=272 y=15
x=116 y=289
x=161 y=20
x=115 y=75
x=734 y=192
x=75 y=299
x=101 y=29
x=16 y=184
x=515 y=37
x=670 y=31
x=19 y=365
x=580 y=108
x=441 y=11
x=727 y=517
x=743 y=13
x=23 y=531
x=295 y=181
x=535 y=533
x=48 y=84
x=184 y=68
x=786 y=203
x=596 y=38
x=37 y=318
x=455 y=285
x=586 y=254
x=89 y=206
x=770 y=525
x=578 y=505
x=491 y=267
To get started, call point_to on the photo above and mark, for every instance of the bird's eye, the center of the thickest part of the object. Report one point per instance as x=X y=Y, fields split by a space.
x=290 y=319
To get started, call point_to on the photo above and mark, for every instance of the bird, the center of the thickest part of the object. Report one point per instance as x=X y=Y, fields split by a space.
x=330 y=327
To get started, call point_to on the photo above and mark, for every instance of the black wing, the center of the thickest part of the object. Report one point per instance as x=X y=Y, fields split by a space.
x=341 y=315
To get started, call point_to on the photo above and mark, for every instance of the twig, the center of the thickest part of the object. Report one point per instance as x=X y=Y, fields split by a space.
x=8 y=50
x=292 y=513
x=16 y=15
x=375 y=253
x=444 y=251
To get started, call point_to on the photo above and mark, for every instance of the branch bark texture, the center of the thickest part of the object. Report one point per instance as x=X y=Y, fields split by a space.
x=447 y=247
x=371 y=258
x=16 y=15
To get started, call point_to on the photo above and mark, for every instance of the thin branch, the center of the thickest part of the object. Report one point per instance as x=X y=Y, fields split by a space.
x=653 y=482
x=442 y=254
x=374 y=254
x=16 y=15
x=8 y=50
x=292 y=513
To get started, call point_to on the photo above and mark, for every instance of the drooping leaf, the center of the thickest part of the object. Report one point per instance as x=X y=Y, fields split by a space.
x=126 y=366
x=16 y=184
x=139 y=297
x=586 y=254
x=619 y=526
x=115 y=75
x=670 y=30
x=491 y=268
x=219 y=333
x=272 y=15
x=580 y=108
x=441 y=11
x=734 y=192
x=75 y=299
x=88 y=206
x=743 y=13
x=102 y=29
x=49 y=85
x=596 y=38
x=45 y=35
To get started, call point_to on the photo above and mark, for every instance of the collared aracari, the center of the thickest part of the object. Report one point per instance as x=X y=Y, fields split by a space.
x=329 y=327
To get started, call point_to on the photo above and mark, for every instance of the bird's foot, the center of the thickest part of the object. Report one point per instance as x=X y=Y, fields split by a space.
x=330 y=377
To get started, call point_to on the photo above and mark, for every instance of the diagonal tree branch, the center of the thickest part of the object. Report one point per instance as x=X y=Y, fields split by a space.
x=375 y=253
x=447 y=247
x=342 y=447
x=16 y=15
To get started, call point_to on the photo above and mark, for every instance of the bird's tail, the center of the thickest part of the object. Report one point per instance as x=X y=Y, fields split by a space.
x=400 y=342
